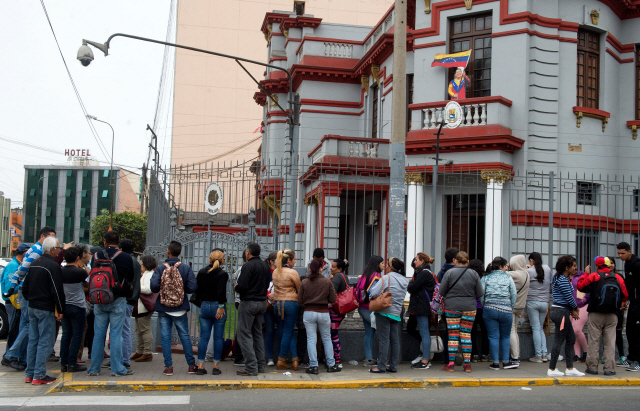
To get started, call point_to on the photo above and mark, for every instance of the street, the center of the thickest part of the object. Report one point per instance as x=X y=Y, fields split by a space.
x=450 y=398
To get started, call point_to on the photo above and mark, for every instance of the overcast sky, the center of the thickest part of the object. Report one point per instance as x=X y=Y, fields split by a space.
x=37 y=101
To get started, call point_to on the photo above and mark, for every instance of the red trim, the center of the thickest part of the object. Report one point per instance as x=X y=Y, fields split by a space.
x=335 y=189
x=334 y=103
x=388 y=80
x=579 y=221
x=271 y=18
x=260 y=98
x=267 y=187
x=277 y=121
x=535 y=33
x=633 y=123
x=333 y=62
x=219 y=229
x=298 y=22
x=290 y=39
x=618 y=59
x=264 y=232
x=345 y=138
x=276 y=113
x=272 y=59
x=621 y=48
x=475 y=100
x=624 y=9
x=427 y=45
x=332 y=112
x=368 y=167
x=284 y=229
x=463 y=139
x=461 y=168
x=593 y=111
x=388 y=91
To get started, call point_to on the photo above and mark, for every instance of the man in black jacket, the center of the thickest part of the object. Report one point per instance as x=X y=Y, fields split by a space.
x=632 y=282
x=252 y=286
x=126 y=246
x=44 y=290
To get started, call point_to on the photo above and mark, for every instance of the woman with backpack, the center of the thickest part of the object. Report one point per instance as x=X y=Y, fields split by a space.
x=212 y=292
x=340 y=283
x=389 y=319
x=372 y=271
x=499 y=298
x=460 y=287
x=421 y=288
x=286 y=285
x=538 y=304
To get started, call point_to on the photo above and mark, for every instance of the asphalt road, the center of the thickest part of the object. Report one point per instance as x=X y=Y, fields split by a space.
x=481 y=399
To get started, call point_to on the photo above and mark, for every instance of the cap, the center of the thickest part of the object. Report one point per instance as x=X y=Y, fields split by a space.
x=22 y=247
x=602 y=261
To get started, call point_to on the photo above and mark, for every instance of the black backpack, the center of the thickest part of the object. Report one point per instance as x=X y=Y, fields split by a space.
x=607 y=295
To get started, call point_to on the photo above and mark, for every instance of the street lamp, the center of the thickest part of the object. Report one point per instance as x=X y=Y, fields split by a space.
x=113 y=137
x=85 y=56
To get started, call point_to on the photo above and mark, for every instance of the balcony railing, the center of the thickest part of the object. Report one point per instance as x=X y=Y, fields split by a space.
x=338 y=50
x=354 y=147
x=478 y=111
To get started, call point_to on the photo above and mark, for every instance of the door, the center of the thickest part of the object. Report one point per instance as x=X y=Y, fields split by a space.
x=466 y=223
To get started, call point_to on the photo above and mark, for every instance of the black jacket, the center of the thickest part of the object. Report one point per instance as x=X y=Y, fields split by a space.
x=137 y=272
x=43 y=286
x=632 y=281
x=212 y=286
x=254 y=280
x=423 y=283
x=124 y=271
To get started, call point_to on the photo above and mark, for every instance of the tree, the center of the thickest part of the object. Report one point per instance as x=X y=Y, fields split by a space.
x=128 y=224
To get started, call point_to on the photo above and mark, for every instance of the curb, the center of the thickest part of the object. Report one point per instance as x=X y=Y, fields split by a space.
x=66 y=385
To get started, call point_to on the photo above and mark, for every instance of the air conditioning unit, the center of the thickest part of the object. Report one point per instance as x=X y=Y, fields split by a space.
x=372 y=218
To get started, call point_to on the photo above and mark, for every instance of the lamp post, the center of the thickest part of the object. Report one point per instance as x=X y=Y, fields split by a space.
x=113 y=138
x=85 y=56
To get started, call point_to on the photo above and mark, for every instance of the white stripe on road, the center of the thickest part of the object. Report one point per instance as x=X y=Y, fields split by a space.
x=83 y=400
x=614 y=388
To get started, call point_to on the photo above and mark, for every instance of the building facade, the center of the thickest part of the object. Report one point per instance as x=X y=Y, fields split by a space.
x=5 y=232
x=545 y=158
x=68 y=197
x=16 y=228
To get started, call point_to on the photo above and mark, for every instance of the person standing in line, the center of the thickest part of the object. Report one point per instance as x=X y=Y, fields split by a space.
x=372 y=271
x=500 y=297
x=632 y=282
x=622 y=361
x=164 y=282
x=518 y=273
x=286 y=285
x=538 y=304
x=580 y=347
x=340 y=283
x=85 y=258
x=479 y=336
x=212 y=292
x=13 y=313
x=318 y=255
x=43 y=288
x=269 y=316
x=421 y=288
x=238 y=358
x=73 y=277
x=316 y=293
x=252 y=287
x=144 y=350
x=449 y=263
x=563 y=307
x=126 y=246
x=209 y=356
x=460 y=287
x=609 y=296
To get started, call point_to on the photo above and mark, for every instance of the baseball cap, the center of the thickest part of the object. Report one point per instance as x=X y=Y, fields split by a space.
x=22 y=247
x=602 y=261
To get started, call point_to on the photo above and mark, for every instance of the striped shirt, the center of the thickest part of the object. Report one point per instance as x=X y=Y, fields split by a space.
x=30 y=256
x=562 y=292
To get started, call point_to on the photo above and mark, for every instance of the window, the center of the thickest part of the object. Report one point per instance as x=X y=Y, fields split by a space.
x=85 y=173
x=69 y=173
x=587 y=247
x=636 y=200
x=83 y=212
x=298 y=7
x=84 y=193
x=374 y=112
x=105 y=193
x=473 y=33
x=409 y=99
x=48 y=212
x=588 y=82
x=67 y=212
x=67 y=193
x=105 y=173
x=49 y=193
x=587 y=193
x=32 y=192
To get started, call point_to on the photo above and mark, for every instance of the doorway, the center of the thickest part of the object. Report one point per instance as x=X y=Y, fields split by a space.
x=466 y=224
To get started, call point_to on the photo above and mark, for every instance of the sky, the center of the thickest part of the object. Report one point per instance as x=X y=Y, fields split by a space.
x=38 y=105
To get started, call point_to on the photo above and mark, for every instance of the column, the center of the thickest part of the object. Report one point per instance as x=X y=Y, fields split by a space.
x=494 y=212
x=310 y=229
x=415 y=218
x=331 y=226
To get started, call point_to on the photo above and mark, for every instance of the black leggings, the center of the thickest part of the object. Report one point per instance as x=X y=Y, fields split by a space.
x=619 y=340
x=412 y=327
x=479 y=331
x=566 y=335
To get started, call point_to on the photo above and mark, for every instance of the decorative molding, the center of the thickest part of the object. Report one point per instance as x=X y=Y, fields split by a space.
x=311 y=200
x=581 y=112
x=633 y=126
x=414 y=178
x=617 y=58
x=564 y=220
x=495 y=175
x=595 y=16
x=427 y=6
x=286 y=33
x=575 y=148
x=274 y=100
x=269 y=29
x=375 y=72
x=365 y=82
x=468 y=4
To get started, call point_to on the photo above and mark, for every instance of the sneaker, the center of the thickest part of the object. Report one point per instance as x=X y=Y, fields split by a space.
x=421 y=365
x=44 y=380
x=76 y=368
x=515 y=361
x=475 y=358
x=93 y=374
x=624 y=362
x=303 y=365
x=334 y=368
x=192 y=369
x=593 y=372
x=417 y=360
x=5 y=361
x=106 y=364
x=270 y=363
x=53 y=358
x=560 y=357
x=312 y=370
x=128 y=372
x=510 y=365
x=168 y=371
x=609 y=373
x=494 y=367
x=16 y=365
x=208 y=358
x=449 y=368
x=245 y=373
x=554 y=373
x=369 y=363
x=238 y=363
x=633 y=366
x=339 y=364
x=467 y=367
x=28 y=380
x=484 y=358
x=545 y=358
x=201 y=371
x=216 y=371
x=576 y=358
x=574 y=373
x=535 y=359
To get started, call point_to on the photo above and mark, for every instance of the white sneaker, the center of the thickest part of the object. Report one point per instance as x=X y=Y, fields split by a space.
x=560 y=358
x=270 y=363
x=417 y=360
x=554 y=373
x=574 y=373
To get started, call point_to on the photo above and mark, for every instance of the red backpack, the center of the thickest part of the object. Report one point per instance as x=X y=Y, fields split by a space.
x=103 y=279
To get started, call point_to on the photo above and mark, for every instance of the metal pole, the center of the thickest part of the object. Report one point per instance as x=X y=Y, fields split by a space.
x=434 y=202
x=551 y=188
x=398 y=133
x=113 y=139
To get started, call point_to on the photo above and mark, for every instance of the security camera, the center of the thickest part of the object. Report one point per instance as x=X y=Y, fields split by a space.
x=85 y=55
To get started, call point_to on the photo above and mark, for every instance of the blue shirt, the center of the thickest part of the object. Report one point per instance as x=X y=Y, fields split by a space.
x=562 y=292
x=30 y=256
x=6 y=276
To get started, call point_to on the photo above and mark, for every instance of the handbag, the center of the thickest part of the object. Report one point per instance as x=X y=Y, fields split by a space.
x=14 y=301
x=382 y=301
x=149 y=301
x=546 y=326
x=194 y=300
x=346 y=301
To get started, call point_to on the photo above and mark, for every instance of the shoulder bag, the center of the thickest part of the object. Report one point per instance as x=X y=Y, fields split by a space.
x=382 y=301
x=346 y=302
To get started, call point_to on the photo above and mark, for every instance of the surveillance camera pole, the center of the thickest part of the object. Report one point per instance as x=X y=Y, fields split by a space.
x=434 y=184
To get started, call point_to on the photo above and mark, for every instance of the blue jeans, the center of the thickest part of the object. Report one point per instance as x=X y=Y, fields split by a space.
x=286 y=327
x=11 y=317
x=182 y=327
x=108 y=315
x=18 y=350
x=126 y=336
x=499 y=333
x=537 y=311
x=368 y=333
x=423 y=327
x=269 y=328
x=208 y=321
x=42 y=327
x=72 y=330
x=323 y=323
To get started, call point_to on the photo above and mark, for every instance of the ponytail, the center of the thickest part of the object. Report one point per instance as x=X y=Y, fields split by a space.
x=424 y=257
x=215 y=259
x=396 y=265
x=496 y=264
x=283 y=257
x=537 y=264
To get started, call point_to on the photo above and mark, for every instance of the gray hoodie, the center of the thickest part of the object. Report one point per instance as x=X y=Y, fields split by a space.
x=518 y=265
x=397 y=284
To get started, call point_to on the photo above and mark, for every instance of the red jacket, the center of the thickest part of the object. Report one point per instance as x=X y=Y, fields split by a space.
x=588 y=281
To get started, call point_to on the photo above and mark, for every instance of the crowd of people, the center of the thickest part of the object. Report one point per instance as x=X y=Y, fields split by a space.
x=88 y=293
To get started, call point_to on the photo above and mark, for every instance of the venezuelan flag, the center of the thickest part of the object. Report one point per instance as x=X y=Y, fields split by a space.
x=452 y=60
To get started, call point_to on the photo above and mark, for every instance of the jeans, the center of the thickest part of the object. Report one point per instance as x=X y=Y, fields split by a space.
x=567 y=334
x=14 y=329
x=423 y=327
x=499 y=332
x=250 y=320
x=323 y=323
x=182 y=327
x=112 y=316
x=388 y=336
x=368 y=333
x=126 y=336
x=287 y=314
x=72 y=330
x=42 y=327
x=208 y=321
x=18 y=350
x=537 y=313
x=269 y=328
